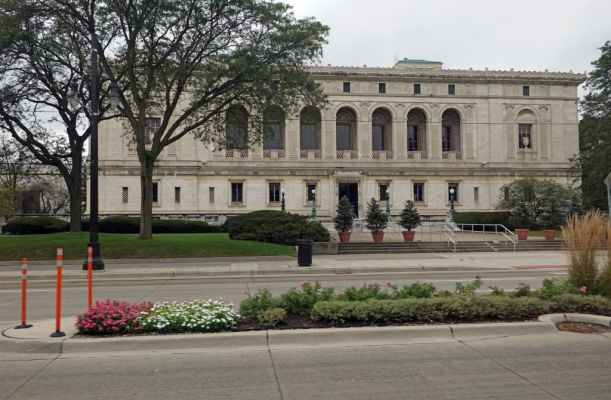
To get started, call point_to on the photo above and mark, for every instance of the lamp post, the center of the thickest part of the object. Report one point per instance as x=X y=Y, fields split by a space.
x=387 y=203
x=314 y=205
x=451 y=216
x=94 y=242
x=282 y=202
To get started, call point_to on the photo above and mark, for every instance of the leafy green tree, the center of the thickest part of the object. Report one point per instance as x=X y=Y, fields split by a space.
x=343 y=218
x=538 y=203
x=410 y=218
x=188 y=62
x=376 y=219
x=594 y=159
x=43 y=60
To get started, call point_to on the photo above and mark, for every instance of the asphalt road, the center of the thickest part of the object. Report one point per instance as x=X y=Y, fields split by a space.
x=549 y=366
x=41 y=296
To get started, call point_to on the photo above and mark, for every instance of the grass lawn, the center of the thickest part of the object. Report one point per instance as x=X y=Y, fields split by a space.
x=540 y=234
x=168 y=245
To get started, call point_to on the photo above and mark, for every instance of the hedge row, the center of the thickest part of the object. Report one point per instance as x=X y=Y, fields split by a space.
x=275 y=227
x=440 y=309
x=493 y=217
x=118 y=224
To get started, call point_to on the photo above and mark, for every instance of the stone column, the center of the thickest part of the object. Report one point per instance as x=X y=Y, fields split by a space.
x=327 y=133
x=292 y=133
x=399 y=138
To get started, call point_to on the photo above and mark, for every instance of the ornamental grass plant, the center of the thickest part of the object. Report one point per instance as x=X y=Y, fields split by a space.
x=583 y=236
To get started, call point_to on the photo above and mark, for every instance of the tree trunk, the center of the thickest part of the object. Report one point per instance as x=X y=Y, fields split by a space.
x=146 y=199
x=74 y=190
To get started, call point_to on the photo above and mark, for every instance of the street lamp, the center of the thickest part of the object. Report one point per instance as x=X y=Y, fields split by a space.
x=74 y=101
x=451 y=216
x=283 y=203
x=387 y=203
x=314 y=205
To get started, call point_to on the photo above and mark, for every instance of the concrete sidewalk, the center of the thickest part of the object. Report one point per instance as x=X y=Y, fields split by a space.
x=335 y=264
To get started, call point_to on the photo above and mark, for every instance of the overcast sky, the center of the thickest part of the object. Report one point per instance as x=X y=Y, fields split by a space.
x=558 y=35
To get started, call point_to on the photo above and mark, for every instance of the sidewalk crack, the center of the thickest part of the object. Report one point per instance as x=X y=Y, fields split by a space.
x=18 y=388
x=517 y=374
x=271 y=359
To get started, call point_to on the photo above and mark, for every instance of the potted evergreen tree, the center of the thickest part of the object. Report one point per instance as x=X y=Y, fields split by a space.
x=410 y=219
x=343 y=219
x=376 y=220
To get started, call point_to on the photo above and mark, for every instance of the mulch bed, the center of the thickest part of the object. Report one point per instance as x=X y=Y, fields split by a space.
x=582 y=327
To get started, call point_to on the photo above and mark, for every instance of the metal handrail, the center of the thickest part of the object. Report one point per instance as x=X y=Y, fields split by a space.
x=451 y=238
x=499 y=229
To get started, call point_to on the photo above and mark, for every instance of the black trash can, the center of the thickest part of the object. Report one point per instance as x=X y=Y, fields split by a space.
x=304 y=252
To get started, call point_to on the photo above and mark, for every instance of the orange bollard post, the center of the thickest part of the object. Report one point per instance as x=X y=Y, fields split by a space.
x=58 y=294
x=24 y=295
x=89 y=277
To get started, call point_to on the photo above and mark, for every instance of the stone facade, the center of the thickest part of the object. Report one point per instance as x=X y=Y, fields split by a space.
x=415 y=130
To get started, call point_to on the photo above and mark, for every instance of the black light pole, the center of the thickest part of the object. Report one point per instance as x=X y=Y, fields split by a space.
x=283 y=203
x=452 y=191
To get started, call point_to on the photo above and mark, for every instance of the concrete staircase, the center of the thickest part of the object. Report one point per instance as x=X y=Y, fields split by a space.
x=445 y=247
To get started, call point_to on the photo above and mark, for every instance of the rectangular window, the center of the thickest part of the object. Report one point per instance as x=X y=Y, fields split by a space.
x=125 y=194
x=307 y=139
x=381 y=88
x=525 y=90
x=446 y=139
x=343 y=140
x=237 y=195
x=346 y=87
x=419 y=192
x=525 y=136
x=454 y=195
x=451 y=89
x=155 y=192
x=273 y=137
x=476 y=195
x=210 y=195
x=310 y=188
x=152 y=126
x=412 y=138
x=383 y=190
x=417 y=88
x=176 y=194
x=378 y=138
x=274 y=192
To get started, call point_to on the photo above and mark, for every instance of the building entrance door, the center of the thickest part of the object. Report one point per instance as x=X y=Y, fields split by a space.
x=351 y=191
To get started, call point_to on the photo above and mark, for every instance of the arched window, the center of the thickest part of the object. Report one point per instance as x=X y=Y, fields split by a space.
x=237 y=128
x=416 y=130
x=526 y=123
x=345 y=130
x=309 y=129
x=450 y=132
x=273 y=119
x=381 y=130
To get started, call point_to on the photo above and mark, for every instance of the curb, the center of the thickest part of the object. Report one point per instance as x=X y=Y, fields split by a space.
x=576 y=317
x=277 y=338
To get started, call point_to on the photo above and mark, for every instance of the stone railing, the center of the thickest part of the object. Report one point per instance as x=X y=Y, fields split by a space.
x=417 y=155
x=310 y=154
x=274 y=154
x=236 y=153
x=451 y=155
x=382 y=155
x=346 y=154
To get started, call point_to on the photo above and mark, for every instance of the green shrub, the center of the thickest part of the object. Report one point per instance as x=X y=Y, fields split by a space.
x=417 y=290
x=554 y=287
x=300 y=301
x=343 y=217
x=430 y=310
x=122 y=224
x=469 y=289
x=275 y=227
x=260 y=302
x=494 y=217
x=574 y=303
x=376 y=220
x=34 y=226
x=272 y=316
x=523 y=290
x=365 y=292
x=409 y=218
x=496 y=291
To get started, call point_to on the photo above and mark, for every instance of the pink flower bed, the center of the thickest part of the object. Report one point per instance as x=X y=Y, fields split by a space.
x=112 y=317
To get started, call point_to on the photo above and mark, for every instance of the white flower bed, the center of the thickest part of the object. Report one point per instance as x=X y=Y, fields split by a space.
x=190 y=316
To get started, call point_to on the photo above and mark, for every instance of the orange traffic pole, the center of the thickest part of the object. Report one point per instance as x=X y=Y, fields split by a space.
x=58 y=294
x=89 y=277
x=24 y=295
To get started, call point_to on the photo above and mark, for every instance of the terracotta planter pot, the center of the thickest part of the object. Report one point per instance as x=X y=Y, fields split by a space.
x=522 y=234
x=377 y=236
x=408 y=236
x=344 y=237
x=550 y=234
